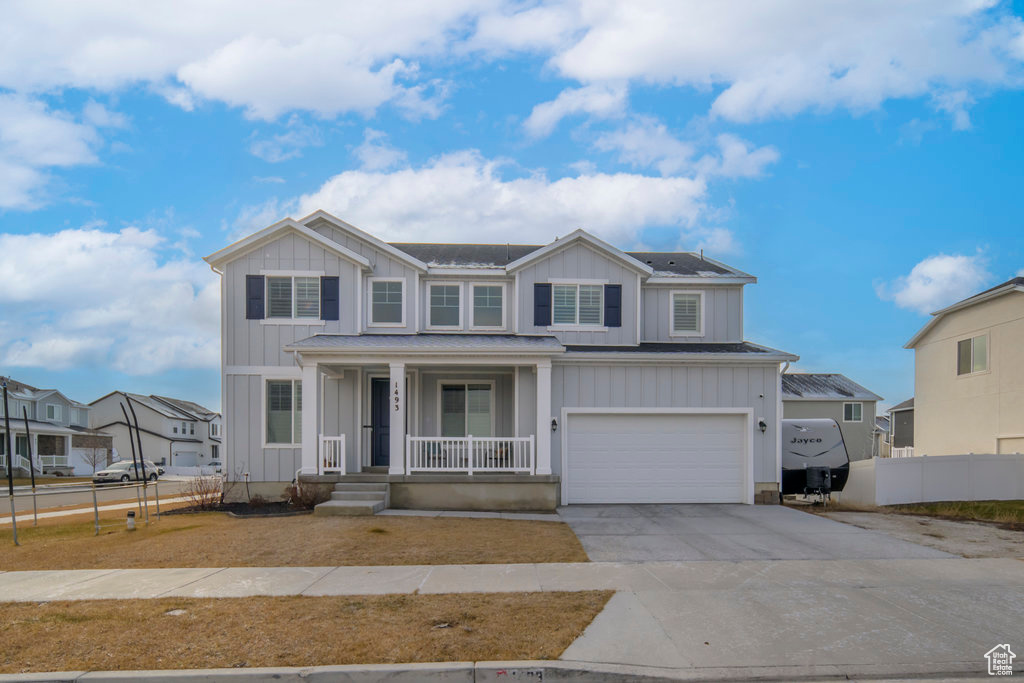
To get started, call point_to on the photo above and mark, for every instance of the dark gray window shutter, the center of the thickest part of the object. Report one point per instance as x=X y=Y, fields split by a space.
x=329 y=298
x=613 y=305
x=541 y=304
x=254 y=289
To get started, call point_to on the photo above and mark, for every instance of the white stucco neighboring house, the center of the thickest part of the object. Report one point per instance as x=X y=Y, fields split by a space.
x=969 y=375
x=492 y=376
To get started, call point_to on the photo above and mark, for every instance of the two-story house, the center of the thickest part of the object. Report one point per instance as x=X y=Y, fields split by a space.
x=969 y=375
x=62 y=442
x=837 y=397
x=174 y=432
x=493 y=376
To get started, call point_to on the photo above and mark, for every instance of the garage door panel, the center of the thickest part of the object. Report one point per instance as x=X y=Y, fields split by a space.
x=655 y=458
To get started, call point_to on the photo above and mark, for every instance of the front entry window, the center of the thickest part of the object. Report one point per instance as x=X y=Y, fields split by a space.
x=466 y=409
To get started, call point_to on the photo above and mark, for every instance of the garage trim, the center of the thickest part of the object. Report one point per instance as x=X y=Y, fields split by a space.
x=748 y=442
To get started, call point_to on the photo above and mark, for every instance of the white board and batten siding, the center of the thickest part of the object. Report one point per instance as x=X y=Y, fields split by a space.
x=581 y=263
x=723 y=313
x=725 y=394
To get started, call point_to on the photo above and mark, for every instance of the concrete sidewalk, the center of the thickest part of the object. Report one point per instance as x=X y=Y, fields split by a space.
x=911 y=616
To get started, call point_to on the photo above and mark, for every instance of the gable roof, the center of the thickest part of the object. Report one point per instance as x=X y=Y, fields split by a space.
x=321 y=215
x=244 y=246
x=153 y=403
x=1012 y=285
x=906 y=405
x=575 y=237
x=881 y=423
x=189 y=407
x=805 y=386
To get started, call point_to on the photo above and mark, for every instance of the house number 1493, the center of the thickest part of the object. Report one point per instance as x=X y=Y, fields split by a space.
x=398 y=399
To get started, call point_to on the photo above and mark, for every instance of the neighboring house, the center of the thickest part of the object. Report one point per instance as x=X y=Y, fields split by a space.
x=969 y=375
x=174 y=432
x=492 y=376
x=62 y=441
x=901 y=429
x=882 y=446
x=835 y=396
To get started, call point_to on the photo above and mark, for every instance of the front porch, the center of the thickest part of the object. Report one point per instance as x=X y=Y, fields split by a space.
x=446 y=429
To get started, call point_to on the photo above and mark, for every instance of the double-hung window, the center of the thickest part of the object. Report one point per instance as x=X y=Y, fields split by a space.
x=488 y=306
x=284 y=412
x=687 y=314
x=972 y=355
x=577 y=305
x=53 y=412
x=387 y=303
x=853 y=412
x=293 y=297
x=445 y=309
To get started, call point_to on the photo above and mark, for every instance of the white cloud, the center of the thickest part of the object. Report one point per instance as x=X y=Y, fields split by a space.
x=376 y=154
x=778 y=58
x=289 y=144
x=32 y=139
x=602 y=101
x=133 y=309
x=98 y=116
x=937 y=282
x=646 y=142
x=955 y=104
x=464 y=197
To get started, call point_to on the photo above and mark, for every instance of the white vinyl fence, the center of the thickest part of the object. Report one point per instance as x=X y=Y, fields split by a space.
x=924 y=479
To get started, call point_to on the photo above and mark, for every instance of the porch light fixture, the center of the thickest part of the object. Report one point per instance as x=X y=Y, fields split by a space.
x=554 y=424
x=762 y=425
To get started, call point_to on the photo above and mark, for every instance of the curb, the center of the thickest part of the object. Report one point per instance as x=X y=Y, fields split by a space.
x=501 y=672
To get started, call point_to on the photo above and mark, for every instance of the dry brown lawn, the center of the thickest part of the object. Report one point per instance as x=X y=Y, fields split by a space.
x=214 y=539
x=291 y=631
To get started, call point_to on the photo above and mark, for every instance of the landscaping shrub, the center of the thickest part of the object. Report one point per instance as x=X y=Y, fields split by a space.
x=307 y=496
x=203 y=492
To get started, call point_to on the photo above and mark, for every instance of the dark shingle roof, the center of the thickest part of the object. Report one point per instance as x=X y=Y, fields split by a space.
x=678 y=347
x=189 y=407
x=500 y=255
x=430 y=342
x=825 y=387
x=906 y=405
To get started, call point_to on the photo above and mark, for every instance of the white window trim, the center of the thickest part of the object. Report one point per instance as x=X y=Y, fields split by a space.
x=576 y=326
x=57 y=412
x=988 y=356
x=462 y=300
x=267 y=320
x=672 y=313
x=263 y=411
x=853 y=403
x=369 y=303
x=504 y=306
x=463 y=383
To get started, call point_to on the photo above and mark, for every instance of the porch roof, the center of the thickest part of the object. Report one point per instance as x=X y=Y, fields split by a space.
x=429 y=343
x=711 y=350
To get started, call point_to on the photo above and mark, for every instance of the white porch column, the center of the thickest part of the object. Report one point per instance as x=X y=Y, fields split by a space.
x=544 y=417
x=310 y=411
x=396 y=410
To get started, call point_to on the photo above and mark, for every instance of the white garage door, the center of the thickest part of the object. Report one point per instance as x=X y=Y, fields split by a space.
x=656 y=458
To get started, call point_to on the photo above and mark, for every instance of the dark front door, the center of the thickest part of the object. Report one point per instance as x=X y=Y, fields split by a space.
x=380 y=421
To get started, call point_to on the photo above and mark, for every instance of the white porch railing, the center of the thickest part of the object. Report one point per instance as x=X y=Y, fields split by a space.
x=19 y=461
x=907 y=452
x=332 y=454
x=470 y=454
x=53 y=460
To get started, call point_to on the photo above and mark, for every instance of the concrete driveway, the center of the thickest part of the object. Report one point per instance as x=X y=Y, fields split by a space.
x=646 y=533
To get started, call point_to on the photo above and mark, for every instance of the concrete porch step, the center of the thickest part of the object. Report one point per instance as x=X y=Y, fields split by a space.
x=349 y=508
x=381 y=487
x=360 y=495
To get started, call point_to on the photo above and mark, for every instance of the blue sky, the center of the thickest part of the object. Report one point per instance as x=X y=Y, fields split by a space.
x=862 y=159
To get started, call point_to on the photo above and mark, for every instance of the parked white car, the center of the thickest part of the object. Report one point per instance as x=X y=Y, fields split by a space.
x=124 y=471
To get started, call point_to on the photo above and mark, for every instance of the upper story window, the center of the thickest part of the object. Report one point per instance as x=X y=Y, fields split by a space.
x=853 y=412
x=293 y=297
x=577 y=304
x=686 y=311
x=972 y=355
x=192 y=429
x=387 y=303
x=53 y=412
x=445 y=308
x=488 y=306
x=214 y=429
